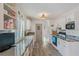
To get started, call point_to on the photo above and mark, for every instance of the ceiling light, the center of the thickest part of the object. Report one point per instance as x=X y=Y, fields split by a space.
x=43 y=15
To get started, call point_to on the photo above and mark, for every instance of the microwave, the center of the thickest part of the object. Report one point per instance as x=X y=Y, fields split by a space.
x=70 y=25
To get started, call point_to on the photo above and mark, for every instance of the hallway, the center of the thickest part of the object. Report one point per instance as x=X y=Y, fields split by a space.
x=40 y=50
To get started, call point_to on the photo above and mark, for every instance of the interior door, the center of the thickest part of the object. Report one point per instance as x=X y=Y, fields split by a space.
x=39 y=32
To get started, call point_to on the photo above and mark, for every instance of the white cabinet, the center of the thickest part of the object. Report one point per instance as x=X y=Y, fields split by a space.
x=28 y=24
x=68 y=48
x=21 y=47
x=60 y=46
x=76 y=14
x=63 y=47
x=7 y=16
x=18 y=53
x=72 y=49
x=70 y=17
x=24 y=47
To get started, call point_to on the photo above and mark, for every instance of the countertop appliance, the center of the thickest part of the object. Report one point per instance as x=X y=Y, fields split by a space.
x=62 y=34
x=70 y=25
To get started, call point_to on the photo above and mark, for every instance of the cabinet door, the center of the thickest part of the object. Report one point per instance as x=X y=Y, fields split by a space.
x=76 y=14
x=28 y=24
x=66 y=51
x=24 y=45
x=72 y=49
x=17 y=49
x=21 y=47
x=60 y=45
x=63 y=46
x=70 y=17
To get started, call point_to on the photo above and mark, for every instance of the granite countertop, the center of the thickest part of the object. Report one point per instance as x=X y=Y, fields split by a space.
x=69 y=38
x=72 y=38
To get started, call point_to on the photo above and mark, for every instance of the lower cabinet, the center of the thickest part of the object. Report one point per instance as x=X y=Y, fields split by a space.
x=17 y=50
x=22 y=48
x=62 y=47
x=68 y=48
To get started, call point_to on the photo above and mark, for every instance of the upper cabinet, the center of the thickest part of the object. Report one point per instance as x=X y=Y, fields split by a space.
x=73 y=15
x=28 y=24
x=60 y=23
x=8 y=16
x=70 y=17
x=76 y=14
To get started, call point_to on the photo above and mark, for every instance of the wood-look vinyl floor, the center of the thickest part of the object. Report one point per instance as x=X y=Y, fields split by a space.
x=40 y=50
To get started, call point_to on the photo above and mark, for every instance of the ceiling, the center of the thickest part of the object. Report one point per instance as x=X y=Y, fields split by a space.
x=54 y=10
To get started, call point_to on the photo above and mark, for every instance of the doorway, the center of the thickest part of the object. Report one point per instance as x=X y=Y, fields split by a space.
x=39 y=33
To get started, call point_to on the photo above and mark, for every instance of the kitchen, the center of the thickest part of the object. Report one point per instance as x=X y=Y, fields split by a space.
x=61 y=31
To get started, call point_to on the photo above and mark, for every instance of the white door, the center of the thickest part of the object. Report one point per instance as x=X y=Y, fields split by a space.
x=39 y=32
